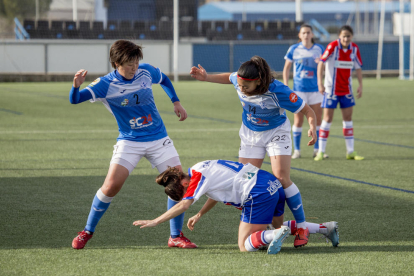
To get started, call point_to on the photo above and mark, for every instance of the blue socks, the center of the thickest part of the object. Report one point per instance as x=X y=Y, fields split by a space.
x=297 y=135
x=294 y=201
x=99 y=206
x=176 y=224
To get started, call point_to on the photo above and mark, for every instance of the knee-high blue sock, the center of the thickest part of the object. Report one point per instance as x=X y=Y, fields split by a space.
x=176 y=224
x=294 y=201
x=99 y=206
x=297 y=135
x=316 y=146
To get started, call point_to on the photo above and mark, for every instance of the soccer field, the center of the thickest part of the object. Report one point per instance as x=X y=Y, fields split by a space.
x=55 y=156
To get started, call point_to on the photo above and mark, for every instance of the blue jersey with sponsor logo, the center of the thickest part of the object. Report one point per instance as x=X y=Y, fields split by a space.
x=305 y=65
x=132 y=103
x=267 y=111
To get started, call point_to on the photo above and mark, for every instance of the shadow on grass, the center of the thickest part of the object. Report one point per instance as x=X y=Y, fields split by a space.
x=47 y=212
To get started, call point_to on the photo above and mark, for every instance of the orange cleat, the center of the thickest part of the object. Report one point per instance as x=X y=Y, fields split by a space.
x=81 y=239
x=302 y=236
x=181 y=242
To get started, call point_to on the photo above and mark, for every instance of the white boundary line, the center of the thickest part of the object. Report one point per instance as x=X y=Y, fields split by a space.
x=2 y=132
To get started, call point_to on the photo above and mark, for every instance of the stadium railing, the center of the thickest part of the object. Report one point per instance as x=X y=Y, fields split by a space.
x=162 y=29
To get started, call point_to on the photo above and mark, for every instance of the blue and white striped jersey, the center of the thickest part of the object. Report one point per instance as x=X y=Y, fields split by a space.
x=132 y=103
x=267 y=111
x=305 y=65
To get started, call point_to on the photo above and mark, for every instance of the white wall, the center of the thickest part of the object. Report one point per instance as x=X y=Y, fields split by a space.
x=22 y=58
x=68 y=56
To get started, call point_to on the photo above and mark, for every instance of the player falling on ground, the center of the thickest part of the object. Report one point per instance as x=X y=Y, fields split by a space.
x=127 y=94
x=265 y=126
x=305 y=57
x=256 y=192
x=340 y=57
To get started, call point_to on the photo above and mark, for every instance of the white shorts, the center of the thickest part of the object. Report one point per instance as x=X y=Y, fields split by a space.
x=255 y=144
x=128 y=153
x=310 y=98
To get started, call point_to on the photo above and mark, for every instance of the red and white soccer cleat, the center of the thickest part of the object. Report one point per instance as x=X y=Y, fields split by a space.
x=302 y=236
x=81 y=239
x=181 y=242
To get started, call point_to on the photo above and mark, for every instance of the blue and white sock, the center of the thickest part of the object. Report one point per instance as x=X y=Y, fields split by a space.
x=176 y=224
x=297 y=135
x=316 y=146
x=99 y=206
x=294 y=201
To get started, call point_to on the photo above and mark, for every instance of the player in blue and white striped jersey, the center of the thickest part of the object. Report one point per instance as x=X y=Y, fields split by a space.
x=304 y=56
x=265 y=127
x=127 y=94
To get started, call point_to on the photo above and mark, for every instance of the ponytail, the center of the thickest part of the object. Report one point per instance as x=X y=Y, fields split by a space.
x=171 y=180
x=257 y=68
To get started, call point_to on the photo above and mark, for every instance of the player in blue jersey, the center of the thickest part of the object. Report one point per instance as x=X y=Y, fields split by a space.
x=305 y=57
x=265 y=127
x=127 y=94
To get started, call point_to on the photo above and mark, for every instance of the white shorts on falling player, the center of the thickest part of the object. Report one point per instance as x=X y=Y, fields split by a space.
x=255 y=144
x=310 y=98
x=128 y=153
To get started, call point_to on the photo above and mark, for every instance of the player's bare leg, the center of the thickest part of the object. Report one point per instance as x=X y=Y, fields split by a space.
x=255 y=162
x=115 y=179
x=318 y=112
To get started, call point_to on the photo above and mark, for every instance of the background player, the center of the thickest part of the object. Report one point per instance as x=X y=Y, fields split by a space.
x=127 y=94
x=257 y=193
x=340 y=57
x=265 y=126
x=305 y=56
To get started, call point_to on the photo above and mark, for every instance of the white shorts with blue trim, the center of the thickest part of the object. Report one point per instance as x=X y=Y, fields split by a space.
x=310 y=98
x=129 y=153
x=274 y=142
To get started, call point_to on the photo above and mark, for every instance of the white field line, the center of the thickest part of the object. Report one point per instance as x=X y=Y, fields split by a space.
x=2 y=132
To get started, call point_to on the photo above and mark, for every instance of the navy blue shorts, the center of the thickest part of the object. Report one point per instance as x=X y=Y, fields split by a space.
x=266 y=200
x=331 y=101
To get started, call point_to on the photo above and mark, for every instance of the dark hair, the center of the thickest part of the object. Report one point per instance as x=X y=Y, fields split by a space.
x=306 y=26
x=346 y=28
x=257 y=68
x=123 y=51
x=171 y=180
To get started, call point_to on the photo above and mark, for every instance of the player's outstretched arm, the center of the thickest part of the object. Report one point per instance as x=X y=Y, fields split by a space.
x=199 y=73
x=310 y=115
x=286 y=72
x=321 y=67
x=178 y=209
x=210 y=203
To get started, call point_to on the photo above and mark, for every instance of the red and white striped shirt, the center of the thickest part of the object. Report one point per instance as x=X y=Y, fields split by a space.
x=339 y=64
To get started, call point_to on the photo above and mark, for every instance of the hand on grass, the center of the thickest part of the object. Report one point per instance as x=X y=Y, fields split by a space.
x=145 y=223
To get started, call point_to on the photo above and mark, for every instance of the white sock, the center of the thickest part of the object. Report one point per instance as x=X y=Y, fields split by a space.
x=323 y=135
x=348 y=131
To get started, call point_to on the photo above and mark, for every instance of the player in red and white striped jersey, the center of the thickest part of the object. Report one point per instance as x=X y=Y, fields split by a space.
x=340 y=58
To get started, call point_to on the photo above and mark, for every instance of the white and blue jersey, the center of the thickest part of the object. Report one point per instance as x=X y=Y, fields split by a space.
x=258 y=193
x=132 y=103
x=305 y=65
x=267 y=111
